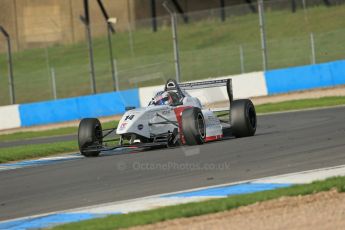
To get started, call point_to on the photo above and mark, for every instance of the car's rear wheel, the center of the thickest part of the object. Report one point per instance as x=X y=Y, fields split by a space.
x=193 y=126
x=243 y=118
x=89 y=137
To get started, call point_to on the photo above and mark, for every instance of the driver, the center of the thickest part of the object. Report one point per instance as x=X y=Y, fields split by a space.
x=165 y=98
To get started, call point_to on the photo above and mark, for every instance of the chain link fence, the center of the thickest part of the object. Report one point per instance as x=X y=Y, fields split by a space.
x=303 y=33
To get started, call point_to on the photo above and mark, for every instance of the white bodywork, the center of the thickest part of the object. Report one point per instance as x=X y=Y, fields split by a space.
x=159 y=119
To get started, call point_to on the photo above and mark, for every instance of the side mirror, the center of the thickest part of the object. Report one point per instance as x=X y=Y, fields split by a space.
x=127 y=108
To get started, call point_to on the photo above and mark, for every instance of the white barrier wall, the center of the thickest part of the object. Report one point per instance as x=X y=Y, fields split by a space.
x=9 y=117
x=249 y=85
x=244 y=86
x=146 y=94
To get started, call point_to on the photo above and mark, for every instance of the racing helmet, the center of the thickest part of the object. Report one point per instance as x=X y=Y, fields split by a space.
x=162 y=98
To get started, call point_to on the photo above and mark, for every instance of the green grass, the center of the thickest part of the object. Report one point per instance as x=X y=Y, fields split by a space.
x=37 y=134
x=209 y=48
x=41 y=150
x=300 y=104
x=49 y=133
x=36 y=151
x=202 y=208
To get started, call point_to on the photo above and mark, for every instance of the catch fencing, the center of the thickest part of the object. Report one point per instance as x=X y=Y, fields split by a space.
x=308 y=32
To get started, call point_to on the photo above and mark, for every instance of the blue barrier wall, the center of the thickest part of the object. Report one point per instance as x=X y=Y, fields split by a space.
x=105 y=104
x=305 y=77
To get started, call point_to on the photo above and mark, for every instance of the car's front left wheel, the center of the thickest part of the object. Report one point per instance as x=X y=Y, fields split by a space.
x=243 y=118
x=90 y=137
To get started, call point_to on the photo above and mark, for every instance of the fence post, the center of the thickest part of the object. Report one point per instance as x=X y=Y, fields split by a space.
x=312 y=46
x=52 y=71
x=154 y=15
x=222 y=10
x=242 y=59
x=263 y=33
x=10 y=65
x=47 y=59
x=86 y=21
x=116 y=75
x=110 y=44
x=130 y=38
x=304 y=4
x=175 y=40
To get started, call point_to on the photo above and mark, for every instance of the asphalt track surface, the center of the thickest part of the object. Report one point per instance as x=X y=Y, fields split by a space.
x=284 y=143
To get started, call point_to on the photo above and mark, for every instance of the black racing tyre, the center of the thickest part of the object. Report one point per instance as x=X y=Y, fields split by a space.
x=193 y=126
x=89 y=133
x=243 y=118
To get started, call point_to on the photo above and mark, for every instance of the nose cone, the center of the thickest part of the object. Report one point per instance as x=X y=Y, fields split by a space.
x=134 y=121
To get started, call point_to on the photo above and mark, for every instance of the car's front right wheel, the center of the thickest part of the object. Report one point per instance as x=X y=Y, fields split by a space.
x=193 y=126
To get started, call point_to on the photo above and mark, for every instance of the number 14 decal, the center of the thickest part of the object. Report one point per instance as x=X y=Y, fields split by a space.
x=129 y=117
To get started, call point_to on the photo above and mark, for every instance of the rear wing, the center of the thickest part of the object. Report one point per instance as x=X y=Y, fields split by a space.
x=173 y=85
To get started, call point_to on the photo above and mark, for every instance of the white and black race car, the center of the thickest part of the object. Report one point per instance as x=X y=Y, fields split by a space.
x=172 y=118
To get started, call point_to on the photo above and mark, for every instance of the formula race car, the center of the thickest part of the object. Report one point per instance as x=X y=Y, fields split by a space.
x=172 y=118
